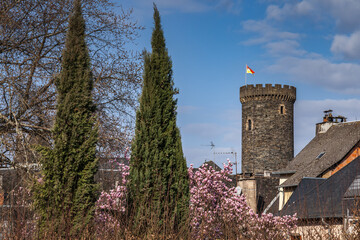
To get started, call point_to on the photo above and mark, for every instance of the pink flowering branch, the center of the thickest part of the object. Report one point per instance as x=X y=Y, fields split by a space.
x=214 y=207
x=111 y=206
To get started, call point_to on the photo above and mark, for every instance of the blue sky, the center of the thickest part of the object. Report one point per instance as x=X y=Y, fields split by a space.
x=313 y=45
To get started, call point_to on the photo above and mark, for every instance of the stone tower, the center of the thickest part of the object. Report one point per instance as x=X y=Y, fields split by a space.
x=267 y=127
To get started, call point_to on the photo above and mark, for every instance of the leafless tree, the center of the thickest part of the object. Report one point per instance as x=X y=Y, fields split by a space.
x=32 y=36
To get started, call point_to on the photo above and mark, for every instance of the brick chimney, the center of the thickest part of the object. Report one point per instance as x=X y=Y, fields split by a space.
x=328 y=121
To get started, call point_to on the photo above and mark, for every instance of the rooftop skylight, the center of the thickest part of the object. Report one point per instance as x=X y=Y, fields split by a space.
x=320 y=155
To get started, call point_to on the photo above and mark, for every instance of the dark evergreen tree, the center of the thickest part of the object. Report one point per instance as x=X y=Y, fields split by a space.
x=159 y=187
x=65 y=197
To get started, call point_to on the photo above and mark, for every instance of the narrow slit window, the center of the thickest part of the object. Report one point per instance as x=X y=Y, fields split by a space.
x=249 y=124
x=282 y=109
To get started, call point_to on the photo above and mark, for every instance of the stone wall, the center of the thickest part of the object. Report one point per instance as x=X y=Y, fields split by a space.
x=330 y=230
x=267 y=127
x=259 y=192
x=266 y=192
x=248 y=188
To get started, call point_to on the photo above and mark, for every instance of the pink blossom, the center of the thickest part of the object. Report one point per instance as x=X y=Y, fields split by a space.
x=111 y=206
x=213 y=206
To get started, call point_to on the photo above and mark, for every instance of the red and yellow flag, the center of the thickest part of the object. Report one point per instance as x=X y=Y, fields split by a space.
x=249 y=70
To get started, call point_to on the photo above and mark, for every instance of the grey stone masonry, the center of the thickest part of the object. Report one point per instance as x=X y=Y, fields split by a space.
x=267 y=127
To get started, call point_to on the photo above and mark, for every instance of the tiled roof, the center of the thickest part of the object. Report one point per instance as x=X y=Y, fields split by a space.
x=336 y=143
x=212 y=164
x=317 y=198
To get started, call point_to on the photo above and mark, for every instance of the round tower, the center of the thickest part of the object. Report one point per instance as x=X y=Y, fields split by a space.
x=267 y=127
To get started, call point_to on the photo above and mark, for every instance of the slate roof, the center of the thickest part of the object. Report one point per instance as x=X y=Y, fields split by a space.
x=217 y=168
x=317 y=198
x=336 y=143
x=213 y=165
x=354 y=189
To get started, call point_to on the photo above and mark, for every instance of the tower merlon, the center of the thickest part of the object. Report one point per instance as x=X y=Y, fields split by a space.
x=261 y=92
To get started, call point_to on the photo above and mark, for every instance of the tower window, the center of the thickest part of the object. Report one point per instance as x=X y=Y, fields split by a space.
x=282 y=109
x=249 y=124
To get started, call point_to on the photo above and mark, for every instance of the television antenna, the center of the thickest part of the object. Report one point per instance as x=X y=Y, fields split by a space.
x=211 y=145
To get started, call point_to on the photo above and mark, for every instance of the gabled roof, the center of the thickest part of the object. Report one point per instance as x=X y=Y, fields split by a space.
x=216 y=167
x=317 y=198
x=335 y=144
x=212 y=164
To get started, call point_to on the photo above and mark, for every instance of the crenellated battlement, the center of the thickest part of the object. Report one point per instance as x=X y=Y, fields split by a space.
x=267 y=92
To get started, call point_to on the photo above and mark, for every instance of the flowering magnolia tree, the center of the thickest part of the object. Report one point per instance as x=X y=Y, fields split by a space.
x=216 y=211
x=111 y=206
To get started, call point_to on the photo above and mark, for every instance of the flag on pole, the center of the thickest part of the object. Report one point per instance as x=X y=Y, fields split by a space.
x=249 y=70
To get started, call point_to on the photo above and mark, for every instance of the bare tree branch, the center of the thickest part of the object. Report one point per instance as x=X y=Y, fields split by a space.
x=32 y=36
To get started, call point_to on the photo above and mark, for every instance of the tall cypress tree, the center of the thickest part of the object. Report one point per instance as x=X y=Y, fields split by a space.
x=159 y=187
x=65 y=198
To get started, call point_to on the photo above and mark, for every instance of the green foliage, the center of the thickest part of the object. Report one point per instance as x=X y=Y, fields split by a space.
x=66 y=195
x=159 y=185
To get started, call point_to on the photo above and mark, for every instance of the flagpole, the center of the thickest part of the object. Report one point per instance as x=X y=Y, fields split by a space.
x=245 y=73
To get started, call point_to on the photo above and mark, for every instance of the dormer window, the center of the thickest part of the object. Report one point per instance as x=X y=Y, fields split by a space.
x=320 y=155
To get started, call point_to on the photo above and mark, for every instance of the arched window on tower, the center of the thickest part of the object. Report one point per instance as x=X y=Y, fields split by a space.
x=282 y=109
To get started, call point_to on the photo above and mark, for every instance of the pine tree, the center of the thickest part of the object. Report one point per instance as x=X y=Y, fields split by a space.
x=65 y=197
x=159 y=186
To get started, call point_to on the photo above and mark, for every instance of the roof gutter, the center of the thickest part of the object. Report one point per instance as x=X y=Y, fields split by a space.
x=292 y=185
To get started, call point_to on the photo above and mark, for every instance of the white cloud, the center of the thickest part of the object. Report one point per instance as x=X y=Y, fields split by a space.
x=343 y=12
x=285 y=48
x=276 y=42
x=289 y=10
x=339 y=77
x=310 y=112
x=266 y=32
x=347 y=46
x=232 y=6
x=274 y=12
